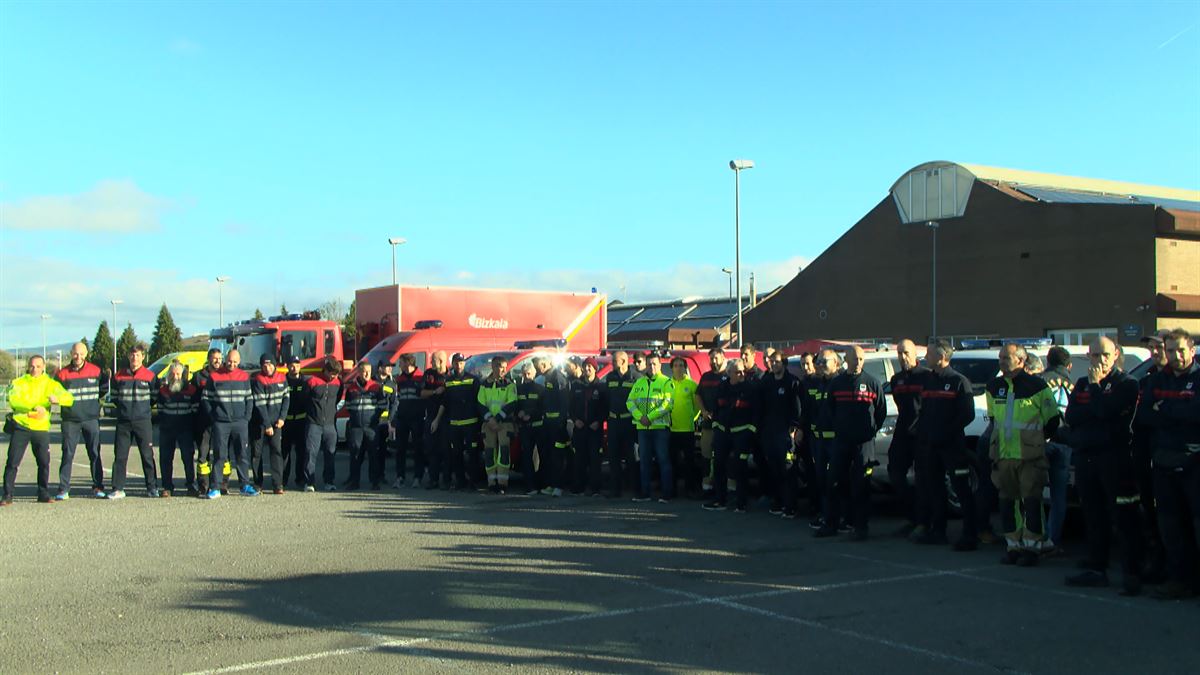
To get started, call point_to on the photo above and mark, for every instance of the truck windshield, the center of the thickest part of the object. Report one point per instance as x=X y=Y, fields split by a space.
x=480 y=365
x=301 y=343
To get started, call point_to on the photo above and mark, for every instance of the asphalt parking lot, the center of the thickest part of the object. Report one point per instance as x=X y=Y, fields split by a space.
x=416 y=580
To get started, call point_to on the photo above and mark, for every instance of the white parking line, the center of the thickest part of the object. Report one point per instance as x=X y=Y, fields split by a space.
x=968 y=574
x=127 y=472
x=381 y=642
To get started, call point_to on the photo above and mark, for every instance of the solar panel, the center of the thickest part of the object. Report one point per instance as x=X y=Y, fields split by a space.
x=1067 y=197
x=642 y=326
x=701 y=323
x=661 y=313
x=619 y=314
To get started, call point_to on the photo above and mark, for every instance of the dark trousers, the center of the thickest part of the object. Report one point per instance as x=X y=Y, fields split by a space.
x=847 y=484
x=901 y=458
x=364 y=447
x=437 y=452
x=554 y=447
x=742 y=444
x=172 y=435
x=722 y=452
x=776 y=448
x=935 y=461
x=128 y=432
x=807 y=469
x=319 y=439
x=208 y=471
x=18 y=442
x=229 y=441
x=987 y=497
x=685 y=459
x=621 y=468
x=72 y=432
x=1177 y=492
x=654 y=445
x=1144 y=469
x=822 y=454
x=1108 y=488
x=589 y=459
x=293 y=451
x=272 y=459
x=528 y=435
x=408 y=436
x=462 y=443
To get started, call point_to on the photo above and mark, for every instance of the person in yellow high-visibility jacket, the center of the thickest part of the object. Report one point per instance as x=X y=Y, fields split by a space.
x=30 y=397
x=650 y=403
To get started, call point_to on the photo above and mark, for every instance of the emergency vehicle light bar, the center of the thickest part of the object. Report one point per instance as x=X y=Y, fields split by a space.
x=985 y=343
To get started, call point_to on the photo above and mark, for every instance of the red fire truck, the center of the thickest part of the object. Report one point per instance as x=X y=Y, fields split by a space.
x=305 y=335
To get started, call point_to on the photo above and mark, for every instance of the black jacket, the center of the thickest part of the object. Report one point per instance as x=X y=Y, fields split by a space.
x=462 y=397
x=618 y=394
x=529 y=401
x=1100 y=415
x=589 y=401
x=859 y=407
x=1175 y=425
x=906 y=392
x=947 y=407
x=779 y=401
x=323 y=398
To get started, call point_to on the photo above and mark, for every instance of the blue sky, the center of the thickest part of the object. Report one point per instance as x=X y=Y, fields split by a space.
x=146 y=148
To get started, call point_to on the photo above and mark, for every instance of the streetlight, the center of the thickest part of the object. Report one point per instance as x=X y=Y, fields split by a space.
x=933 y=225
x=221 y=300
x=729 y=272
x=114 y=341
x=738 y=166
x=395 y=241
x=44 y=317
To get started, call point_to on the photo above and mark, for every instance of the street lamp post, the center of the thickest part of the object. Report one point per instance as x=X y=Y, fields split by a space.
x=221 y=300
x=114 y=341
x=729 y=272
x=933 y=225
x=738 y=166
x=44 y=317
x=395 y=242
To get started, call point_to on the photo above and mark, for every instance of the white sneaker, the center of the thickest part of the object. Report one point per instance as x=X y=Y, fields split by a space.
x=557 y=492
x=116 y=494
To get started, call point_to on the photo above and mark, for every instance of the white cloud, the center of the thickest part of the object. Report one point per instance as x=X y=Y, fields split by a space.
x=111 y=206
x=77 y=295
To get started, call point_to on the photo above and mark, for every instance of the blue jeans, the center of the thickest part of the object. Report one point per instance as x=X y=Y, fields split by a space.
x=655 y=444
x=1059 y=456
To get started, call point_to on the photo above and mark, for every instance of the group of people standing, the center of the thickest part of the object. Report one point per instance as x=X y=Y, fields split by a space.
x=738 y=427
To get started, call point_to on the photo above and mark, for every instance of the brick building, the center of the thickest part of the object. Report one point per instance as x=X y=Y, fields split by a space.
x=1018 y=253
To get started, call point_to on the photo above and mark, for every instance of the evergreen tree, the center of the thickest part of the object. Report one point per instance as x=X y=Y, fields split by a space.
x=125 y=344
x=283 y=309
x=258 y=315
x=102 y=348
x=167 y=336
x=349 y=324
x=85 y=342
x=8 y=366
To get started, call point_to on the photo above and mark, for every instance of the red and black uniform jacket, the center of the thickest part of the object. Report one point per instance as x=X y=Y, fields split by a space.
x=84 y=385
x=589 y=401
x=227 y=396
x=177 y=409
x=859 y=407
x=365 y=402
x=406 y=402
x=131 y=392
x=947 y=407
x=906 y=392
x=272 y=398
x=1175 y=425
x=323 y=398
x=1100 y=415
x=709 y=390
x=744 y=412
